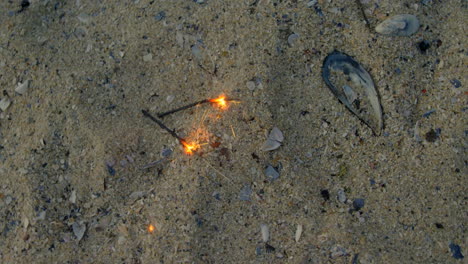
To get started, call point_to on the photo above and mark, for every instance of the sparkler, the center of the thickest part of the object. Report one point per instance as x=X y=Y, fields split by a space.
x=221 y=102
x=190 y=148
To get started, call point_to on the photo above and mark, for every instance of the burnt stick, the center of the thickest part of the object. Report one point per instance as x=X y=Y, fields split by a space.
x=147 y=114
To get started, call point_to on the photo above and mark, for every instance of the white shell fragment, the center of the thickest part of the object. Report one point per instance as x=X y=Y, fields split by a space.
x=353 y=86
x=265 y=232
x=4 y=104
x=298 y=233
x=22 y=88
x=399 y=25
x=274 y=140
x=79 y=230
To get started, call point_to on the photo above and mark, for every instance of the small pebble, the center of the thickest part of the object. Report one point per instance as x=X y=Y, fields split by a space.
x=265 y=232
x=432 y=135
x=292 y=39
x=456 y=83
x=337 y=251
x=358 y=204
x=110 y=170
x=166 y=152
x=160 y=16
x=245 y=192
x=341 y=196
x=456 y=251
x=428 y=113
x=311 y=3
x=8 y=200
x=22 y=88
x=148 y=57
x=271 y=173
x=250 y=85
x=170 y=98
x=4 y=104
x=424 y=46
x=325 y=194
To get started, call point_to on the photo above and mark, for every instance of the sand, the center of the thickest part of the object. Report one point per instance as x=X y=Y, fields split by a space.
x=72 y=145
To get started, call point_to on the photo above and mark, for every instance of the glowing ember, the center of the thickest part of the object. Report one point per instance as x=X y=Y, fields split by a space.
x=151 y=228
x=220 y=102
x=190 y=148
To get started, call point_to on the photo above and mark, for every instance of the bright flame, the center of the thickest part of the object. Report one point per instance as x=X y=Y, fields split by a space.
x=151 y=228
x=220 y=102
x=190 y=148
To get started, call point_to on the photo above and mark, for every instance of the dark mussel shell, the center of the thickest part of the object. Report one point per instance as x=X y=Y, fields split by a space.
x=353 y=86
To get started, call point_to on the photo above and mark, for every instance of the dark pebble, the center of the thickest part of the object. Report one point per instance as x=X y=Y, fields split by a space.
x=424 y=46
x=439 y=225
x=358 y=204
x=110 y=170
x=258 y=250
x=160 y=16
x=428 y=113
x=269 y=248
x=456 y=83
x=456 y=251
x=432 y=135
x=325 y=194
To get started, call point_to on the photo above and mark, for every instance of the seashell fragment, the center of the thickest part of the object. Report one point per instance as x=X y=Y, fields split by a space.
x=274 y=140
x=353 y=86
x=22 y=88
x=4 y=104
x=399 y=25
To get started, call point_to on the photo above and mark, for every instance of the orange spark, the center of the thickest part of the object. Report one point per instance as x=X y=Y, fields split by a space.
x=221 y=102
x=151 y=228
x=190 y=148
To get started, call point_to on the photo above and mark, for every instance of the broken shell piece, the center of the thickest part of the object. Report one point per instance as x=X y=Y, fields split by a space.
x=274 y=140
x=79 y=230
x=265 y=232
x=298 y=233
x=353 y=86
x=4 y=104
x=399 y=25
x=22 y=88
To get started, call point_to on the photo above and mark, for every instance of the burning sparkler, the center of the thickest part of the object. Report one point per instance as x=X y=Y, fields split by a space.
x=189 y=148
x=221 y=102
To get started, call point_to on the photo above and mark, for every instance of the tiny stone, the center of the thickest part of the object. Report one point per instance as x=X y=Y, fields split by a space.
x=424 y=46
x=358 y=204
x=251 y=85
x=148 y=57
x=245 y=193
x=170 y=98
x=341 y=196
x=325 y=194
x=432 y=136
x=8 y=200
x=166 y=152
x=456 y=83
x=292 y=39
x=337 y=251
x=271 y=173
x=456 y=251
x=160 y=16
x=311 y=3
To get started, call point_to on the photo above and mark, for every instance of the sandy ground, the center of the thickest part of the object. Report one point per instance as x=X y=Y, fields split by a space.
x=73 y=145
